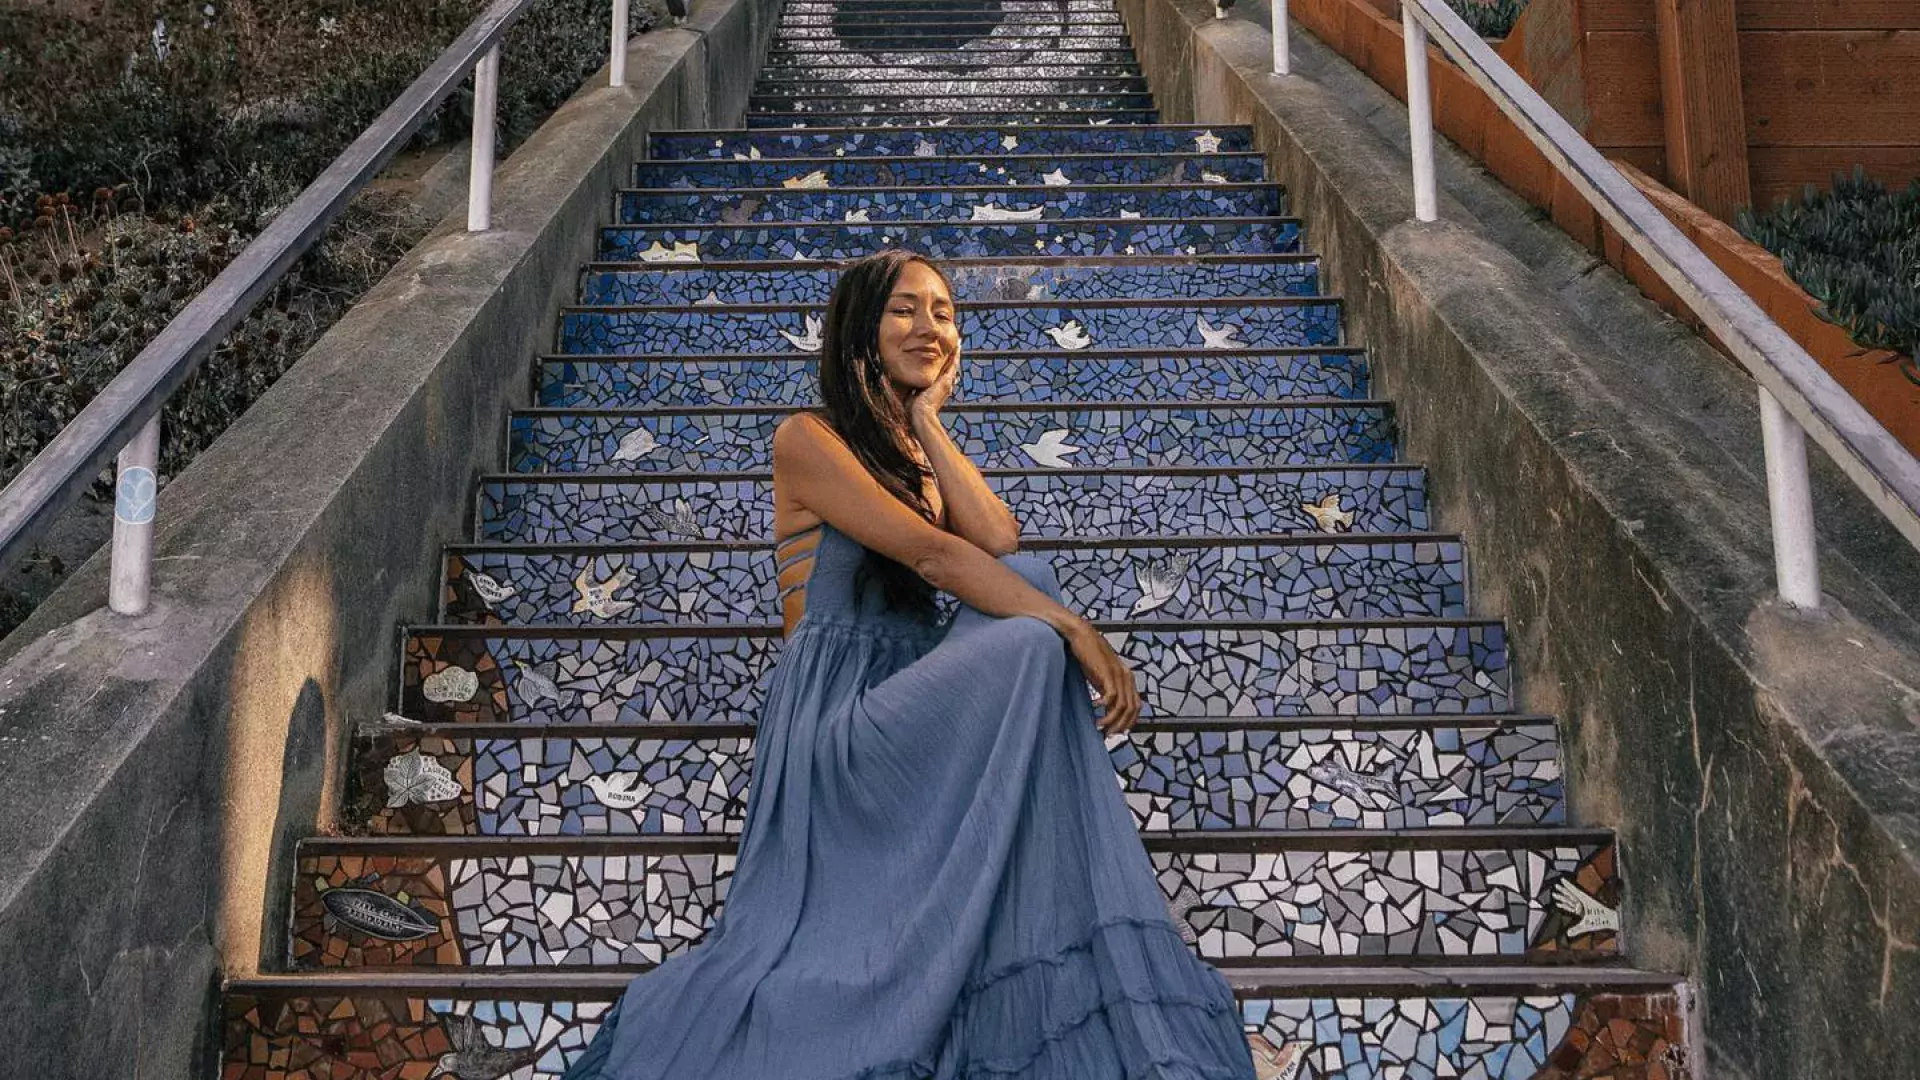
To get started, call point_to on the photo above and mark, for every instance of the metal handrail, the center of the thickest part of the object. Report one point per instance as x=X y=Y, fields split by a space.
x=124 y=418
x=1797 y=395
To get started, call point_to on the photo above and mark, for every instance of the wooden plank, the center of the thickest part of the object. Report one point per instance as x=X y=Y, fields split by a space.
x=1831 y=87
x=1779 y=172
x=1827 y=14
x=1601 y=16
x=1701 y=95
x=1651 y=160
x=1623 y=89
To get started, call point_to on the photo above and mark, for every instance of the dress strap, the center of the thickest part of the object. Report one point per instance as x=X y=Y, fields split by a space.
x=782 y=561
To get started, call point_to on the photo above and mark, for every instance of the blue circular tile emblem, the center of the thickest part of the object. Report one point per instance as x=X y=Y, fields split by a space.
x=134 y=496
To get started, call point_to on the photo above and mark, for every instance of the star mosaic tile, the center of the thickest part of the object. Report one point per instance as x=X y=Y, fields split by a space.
x=1381 y=499
x=954 y=140
x=713 y=243
x=1023 y=171
x=975 y=203
x=992 y=436
x=950 y=103
x=873 y=118
x=690 y=676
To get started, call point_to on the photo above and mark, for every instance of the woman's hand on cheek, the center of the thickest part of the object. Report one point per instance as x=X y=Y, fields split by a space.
x=927 y=403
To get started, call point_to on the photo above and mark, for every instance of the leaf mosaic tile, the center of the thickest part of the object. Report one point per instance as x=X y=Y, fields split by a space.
x=556 y=510
x=1023 y=171
x=993 y=437
x=948 y=203
x=1274 y=323
x=715 y=243
x=692 y=676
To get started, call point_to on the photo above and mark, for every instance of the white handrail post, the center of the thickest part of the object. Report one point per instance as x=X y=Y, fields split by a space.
x=486 y=102
x=1282 y=53
x=1426 y=201
x=135 y=490
x=617 y=61
x=1796 y=556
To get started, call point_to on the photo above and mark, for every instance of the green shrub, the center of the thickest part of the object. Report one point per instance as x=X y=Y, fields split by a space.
x=1856 y=249
x=1489 y=18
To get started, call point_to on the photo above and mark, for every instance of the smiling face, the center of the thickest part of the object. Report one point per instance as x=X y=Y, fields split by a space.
x=918 y=331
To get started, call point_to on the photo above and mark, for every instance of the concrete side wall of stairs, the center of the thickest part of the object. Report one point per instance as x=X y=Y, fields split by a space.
x=1604 y=465
x=159 y=769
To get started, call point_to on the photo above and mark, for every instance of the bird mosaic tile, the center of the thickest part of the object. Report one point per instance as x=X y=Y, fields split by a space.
x=563 y=905
x=964 y=141
x=1239 y=502
x=373 y=1036
x=972 y=282
x=605 y=675
x=992 y=436
x=716 y=243
x=1036 y=170
x=789 y=380
x=1293 y=776
x=983 y=201
x=1275 y=322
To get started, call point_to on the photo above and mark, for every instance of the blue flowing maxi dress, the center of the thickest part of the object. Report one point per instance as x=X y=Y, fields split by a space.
x=938 y=876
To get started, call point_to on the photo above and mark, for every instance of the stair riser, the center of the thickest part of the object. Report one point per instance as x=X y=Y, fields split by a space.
x=1412 y=777
x=657 y=243
x=1120 y=81
x=958 y=101
x=1254 y=326
x=804 y=39
x=1107 y=438
x=1010 y=59
x=566 y=910
x=616 y=677
x=849 y=23
x=1353 y=1037
x=1003 y=281
x=954 y=142
x=791 y=381
x=937 y=172
x=888 y=67
x=1358 y=580
x=965 y=206
x=919 y=118
x=1382 y=500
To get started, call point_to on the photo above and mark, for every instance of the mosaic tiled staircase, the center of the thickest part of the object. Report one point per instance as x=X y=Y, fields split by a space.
x=1347 y=816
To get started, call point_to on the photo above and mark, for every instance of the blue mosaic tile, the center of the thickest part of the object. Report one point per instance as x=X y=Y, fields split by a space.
x=949 y=204
x=1380 y=499
x=625 y=675
x=957 y=141
x=1356 y=578
x=993 y=437
x=791 y=70
x=824 y=83
x=710 y=243
x=789 y=380
x=802 y=108
x=669 y=284
x=1007 y=325
x=1096 y=117
x=842 y=172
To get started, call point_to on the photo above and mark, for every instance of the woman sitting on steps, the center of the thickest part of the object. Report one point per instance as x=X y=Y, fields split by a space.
x=938 y=876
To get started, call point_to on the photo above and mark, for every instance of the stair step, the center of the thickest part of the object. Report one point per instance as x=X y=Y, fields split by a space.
x=1244 y=322
x=1320 y=772
x=1356 y=1023
x=1091 y=117
x=803 y=39
x=1007 y=435
x=974 y=280
x=1011 y=59
x=943 y=240
x=1162 y=578
x=1148 y=376
x=1244 y=896
x=1009 y=100
x=707 y=674
x=1004 y=169
x=587 y=508
x=1116 y=80
x=851 y=27
x=962 y=204
x=959 y=140
x=892 y=68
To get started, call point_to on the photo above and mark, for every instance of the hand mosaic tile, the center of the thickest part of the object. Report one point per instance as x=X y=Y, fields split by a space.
x=882 y=204
x=1238 y=501
x=1001 y=436
x=712 y=674
x=711 y=243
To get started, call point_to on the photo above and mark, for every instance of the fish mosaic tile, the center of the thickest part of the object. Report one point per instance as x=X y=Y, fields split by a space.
x=790 y=380
x=1237 y=502
x=685 y=676
x=821 y=240
x=1099 y=116
x=1038 y=170
x=1275 y=323
x=1360 y=578
x=952 y=140
x=976 y=203
x=992 y=436
x=332 y=1035
x=1318 y=776
x=1249 y=276
x=626 y=905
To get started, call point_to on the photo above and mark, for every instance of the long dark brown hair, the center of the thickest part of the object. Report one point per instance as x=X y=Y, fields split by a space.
x=858 y=402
